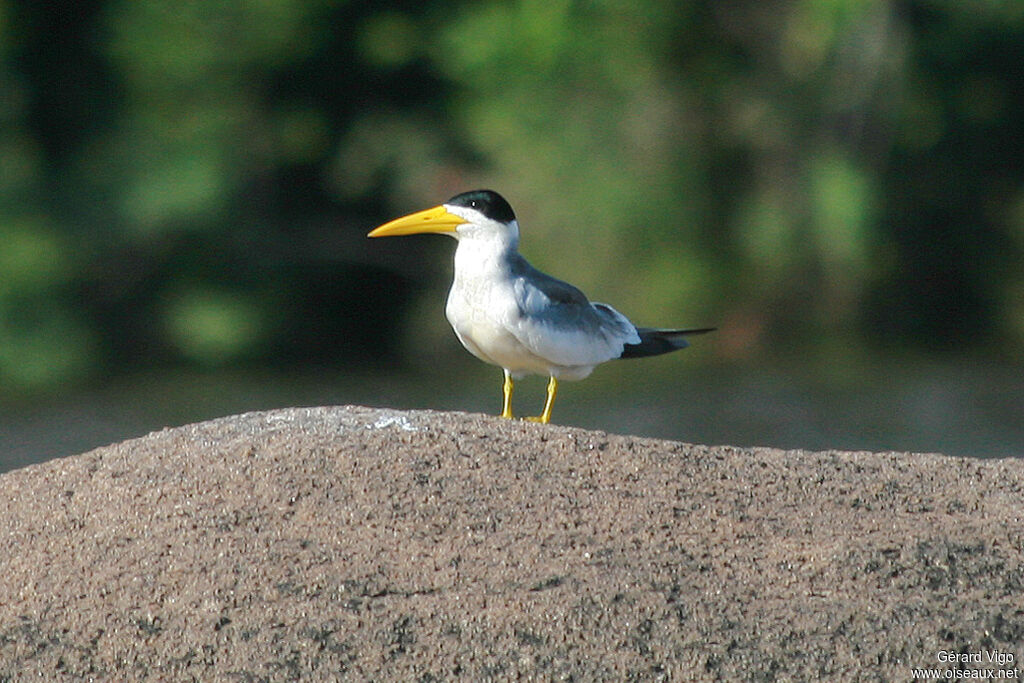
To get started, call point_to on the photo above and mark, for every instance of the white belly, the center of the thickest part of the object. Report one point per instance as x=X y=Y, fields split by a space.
x=485 y=332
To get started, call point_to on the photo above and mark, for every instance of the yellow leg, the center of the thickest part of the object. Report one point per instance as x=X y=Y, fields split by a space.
x=545 y=416
x=506 y=388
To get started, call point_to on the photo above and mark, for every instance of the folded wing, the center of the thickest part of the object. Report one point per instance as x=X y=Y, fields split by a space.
x=558 y=323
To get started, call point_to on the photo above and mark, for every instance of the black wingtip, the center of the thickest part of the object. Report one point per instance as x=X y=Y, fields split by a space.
x=655 y=342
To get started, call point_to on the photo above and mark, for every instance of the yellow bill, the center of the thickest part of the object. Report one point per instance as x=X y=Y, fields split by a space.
x=437 y=219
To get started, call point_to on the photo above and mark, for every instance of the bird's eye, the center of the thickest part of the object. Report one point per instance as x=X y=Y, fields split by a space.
x=473 y=203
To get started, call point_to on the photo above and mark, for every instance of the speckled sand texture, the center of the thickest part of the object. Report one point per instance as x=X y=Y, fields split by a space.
x=359 y=544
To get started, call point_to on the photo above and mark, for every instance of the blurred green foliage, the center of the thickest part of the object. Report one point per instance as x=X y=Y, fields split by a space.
x=190 y=182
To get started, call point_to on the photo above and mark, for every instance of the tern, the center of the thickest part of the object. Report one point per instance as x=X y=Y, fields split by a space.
x=508 y=313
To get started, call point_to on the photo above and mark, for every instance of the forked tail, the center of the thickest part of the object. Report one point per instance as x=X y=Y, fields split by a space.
x=655 y=342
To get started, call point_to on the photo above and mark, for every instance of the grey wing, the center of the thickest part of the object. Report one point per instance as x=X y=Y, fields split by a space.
x=554 y=290
x=559 y=323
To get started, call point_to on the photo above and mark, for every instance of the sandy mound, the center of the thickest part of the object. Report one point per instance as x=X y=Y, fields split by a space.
x=333 y=543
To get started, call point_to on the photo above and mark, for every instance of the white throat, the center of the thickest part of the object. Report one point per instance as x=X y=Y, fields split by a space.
x=485 y=249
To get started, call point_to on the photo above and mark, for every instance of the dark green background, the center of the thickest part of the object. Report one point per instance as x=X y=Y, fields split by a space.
x=185 y=189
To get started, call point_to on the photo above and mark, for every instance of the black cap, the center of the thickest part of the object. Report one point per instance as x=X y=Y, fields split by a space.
x=489 y=203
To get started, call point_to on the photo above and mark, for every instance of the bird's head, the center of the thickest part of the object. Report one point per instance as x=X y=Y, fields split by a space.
x=480 y=213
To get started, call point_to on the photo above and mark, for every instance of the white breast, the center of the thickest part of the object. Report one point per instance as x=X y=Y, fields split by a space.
x=482 y=306
x=483 y=312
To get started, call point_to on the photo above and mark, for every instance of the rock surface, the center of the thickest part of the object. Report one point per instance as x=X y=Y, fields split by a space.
x=361 y=544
